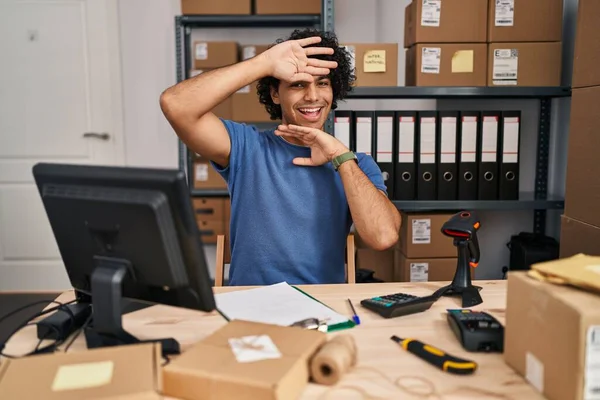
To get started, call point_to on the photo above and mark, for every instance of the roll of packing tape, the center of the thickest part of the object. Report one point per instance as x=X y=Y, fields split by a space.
x=336 y=357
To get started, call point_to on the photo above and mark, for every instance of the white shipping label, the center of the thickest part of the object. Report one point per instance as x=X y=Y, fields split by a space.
x=419 y=272
x=427 y=142
x=248 y=52
x=384 y=139
x=254 y=348
x=421 y=231
x=201 y=51
x=406 y=140
x=468 y=144
x=489 y=139
x=448 y=140
x=430 y=60
x=363 y=135
x=506 y=66
x=245 y=89
x=591 y=375
x=534 y=372
x=201 y=172
x=342 y=130
x=510 y=147
x=505 y=13
x=352 y=52
x=430 y=13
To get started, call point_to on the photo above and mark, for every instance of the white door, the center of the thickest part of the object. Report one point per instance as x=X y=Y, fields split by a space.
x=59 y=79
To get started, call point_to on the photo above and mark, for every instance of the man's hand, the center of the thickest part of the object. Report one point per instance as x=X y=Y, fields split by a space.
x=289 y=61
x=323 y=146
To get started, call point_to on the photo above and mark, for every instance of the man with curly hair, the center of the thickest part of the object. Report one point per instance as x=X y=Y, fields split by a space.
x=295 y=190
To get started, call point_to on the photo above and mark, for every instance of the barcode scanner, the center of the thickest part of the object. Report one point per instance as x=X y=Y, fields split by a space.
x=463 y=227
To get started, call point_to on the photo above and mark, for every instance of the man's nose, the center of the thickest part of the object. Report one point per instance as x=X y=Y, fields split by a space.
x=310 y=94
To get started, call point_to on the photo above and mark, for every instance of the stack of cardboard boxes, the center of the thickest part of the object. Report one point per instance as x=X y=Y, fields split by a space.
x=483 y=42
x=580 y=228
x=247 y=7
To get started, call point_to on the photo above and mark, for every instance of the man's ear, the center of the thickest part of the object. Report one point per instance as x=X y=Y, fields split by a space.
x=275 y=95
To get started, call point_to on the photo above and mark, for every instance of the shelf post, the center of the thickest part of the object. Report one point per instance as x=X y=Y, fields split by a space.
x=541 y=170
x=327 y=24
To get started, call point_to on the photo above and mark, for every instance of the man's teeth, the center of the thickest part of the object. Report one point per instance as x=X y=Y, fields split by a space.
x=309 y=110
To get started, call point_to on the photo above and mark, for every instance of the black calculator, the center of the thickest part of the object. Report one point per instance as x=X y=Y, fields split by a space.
x=399 y=304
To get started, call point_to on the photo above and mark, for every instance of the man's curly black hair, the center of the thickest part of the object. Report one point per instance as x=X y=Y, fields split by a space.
x=341 y=77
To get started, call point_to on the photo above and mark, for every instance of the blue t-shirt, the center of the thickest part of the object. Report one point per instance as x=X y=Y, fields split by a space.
x=288 y=222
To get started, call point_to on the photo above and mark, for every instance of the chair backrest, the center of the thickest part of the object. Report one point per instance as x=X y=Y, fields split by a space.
x=223 y=257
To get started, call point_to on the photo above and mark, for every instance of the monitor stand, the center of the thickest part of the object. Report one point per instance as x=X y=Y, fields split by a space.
x=106 y=328
x=461 y=284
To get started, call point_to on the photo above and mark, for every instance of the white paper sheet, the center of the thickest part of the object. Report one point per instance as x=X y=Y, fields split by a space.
x=278 y=304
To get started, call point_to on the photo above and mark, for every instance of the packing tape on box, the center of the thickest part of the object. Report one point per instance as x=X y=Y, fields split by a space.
x=336 y=357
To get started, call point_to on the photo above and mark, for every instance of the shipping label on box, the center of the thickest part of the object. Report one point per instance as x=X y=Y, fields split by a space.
x=505 y=66
x=430 y=12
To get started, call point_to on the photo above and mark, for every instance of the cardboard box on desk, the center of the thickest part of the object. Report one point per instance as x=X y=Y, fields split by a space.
x=552 y=337
x=525 y=21
x=213 y=370
x=421 y=236
x=455 y=21
x=376 y=63
x=131 y=372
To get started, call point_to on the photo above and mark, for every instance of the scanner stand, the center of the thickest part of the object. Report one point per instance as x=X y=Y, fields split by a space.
x=105 y=327
x=461 y=284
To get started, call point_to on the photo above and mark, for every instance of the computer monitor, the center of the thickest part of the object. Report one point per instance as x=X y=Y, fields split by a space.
x=125 y=233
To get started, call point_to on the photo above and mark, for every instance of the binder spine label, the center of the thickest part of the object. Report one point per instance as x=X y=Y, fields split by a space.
x=421 y=231
x=342 y=130
x=510 y=147
x=427 y=143
x=489 y=141
x=384 y=139
x=468 y=146
x=406 y=142
x=448 y=150
x=363 y=135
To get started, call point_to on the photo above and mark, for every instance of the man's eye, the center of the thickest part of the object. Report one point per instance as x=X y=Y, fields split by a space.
x=323 y=83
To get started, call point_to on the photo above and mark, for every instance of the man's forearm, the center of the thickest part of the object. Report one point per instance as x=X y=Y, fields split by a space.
x=376 y=219
x=196 y=96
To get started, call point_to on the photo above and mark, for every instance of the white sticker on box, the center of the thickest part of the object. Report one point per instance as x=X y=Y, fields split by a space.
x=430 y=60
x=419 y=272
x=254 y=348
x=591 y=375
x=249 y=52
x=352 y=52
x=510 y=147
x=448 y=136
x=506 y=66
x=201 y=172
x=534 y=372
x=505 y=12
x=201 y=51
x=245 y=89
x=430 y=12
x=468 y=144
x=421 y=231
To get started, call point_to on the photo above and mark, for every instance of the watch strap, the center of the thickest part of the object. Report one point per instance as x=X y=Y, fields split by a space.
x=342 y=158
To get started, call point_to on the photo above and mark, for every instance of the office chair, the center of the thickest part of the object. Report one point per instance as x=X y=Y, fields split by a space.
x=223 y=257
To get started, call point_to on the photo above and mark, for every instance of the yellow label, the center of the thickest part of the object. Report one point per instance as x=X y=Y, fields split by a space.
x=462 y=61
x=82 y=376
x=374 y=61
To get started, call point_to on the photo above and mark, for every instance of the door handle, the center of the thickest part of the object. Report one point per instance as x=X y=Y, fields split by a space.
x=102 y=136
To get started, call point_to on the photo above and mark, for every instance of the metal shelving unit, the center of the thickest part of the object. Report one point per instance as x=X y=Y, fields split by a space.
x=538 y=201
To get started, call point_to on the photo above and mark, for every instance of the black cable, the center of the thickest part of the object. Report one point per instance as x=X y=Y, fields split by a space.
x=13 y=312
x=85 y=324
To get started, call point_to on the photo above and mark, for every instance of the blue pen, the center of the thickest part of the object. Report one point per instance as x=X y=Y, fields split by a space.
x=354 y=316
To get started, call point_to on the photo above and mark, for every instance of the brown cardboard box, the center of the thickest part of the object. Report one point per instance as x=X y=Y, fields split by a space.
x=376 y=63
x=525 y=21
x=210 y=370
x=578 y=237
x=524 y=64
x=288 y=7
x=423 y=269
x=211 y=54
x=245 y=104
x=550 y=339
x=456 y=21
x=587 y=46
x=104 y=373
x=446 y=64
x=380 y=262
x=212 y=7
x=421 y=236
x=205 y=176
x=582 y=188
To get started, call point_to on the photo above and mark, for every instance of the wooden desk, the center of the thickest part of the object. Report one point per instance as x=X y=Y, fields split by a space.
x=372 y=336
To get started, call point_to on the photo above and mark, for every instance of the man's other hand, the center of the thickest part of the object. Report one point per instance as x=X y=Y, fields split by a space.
x=323 y=146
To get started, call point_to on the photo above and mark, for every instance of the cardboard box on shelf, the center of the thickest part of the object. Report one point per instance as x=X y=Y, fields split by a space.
x=578 y=237
x=245 y=104
x=554 y=341
x=424 y=269
x=210 y=229
x=205 y=176
x=288 y=7
x=524 y=64
x=380 y=262
x=421 y=236
x=582 y=187
x=525 y=21
x=587 y=46
x=212 y=7
x=213 y=54
x=376 y=63
x=446 y=64
x=209 y=208
x=219 y=366
x=103 y=373
x=448 y=21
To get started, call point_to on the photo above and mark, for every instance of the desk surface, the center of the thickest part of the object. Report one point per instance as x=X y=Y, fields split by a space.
x=493 y=380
